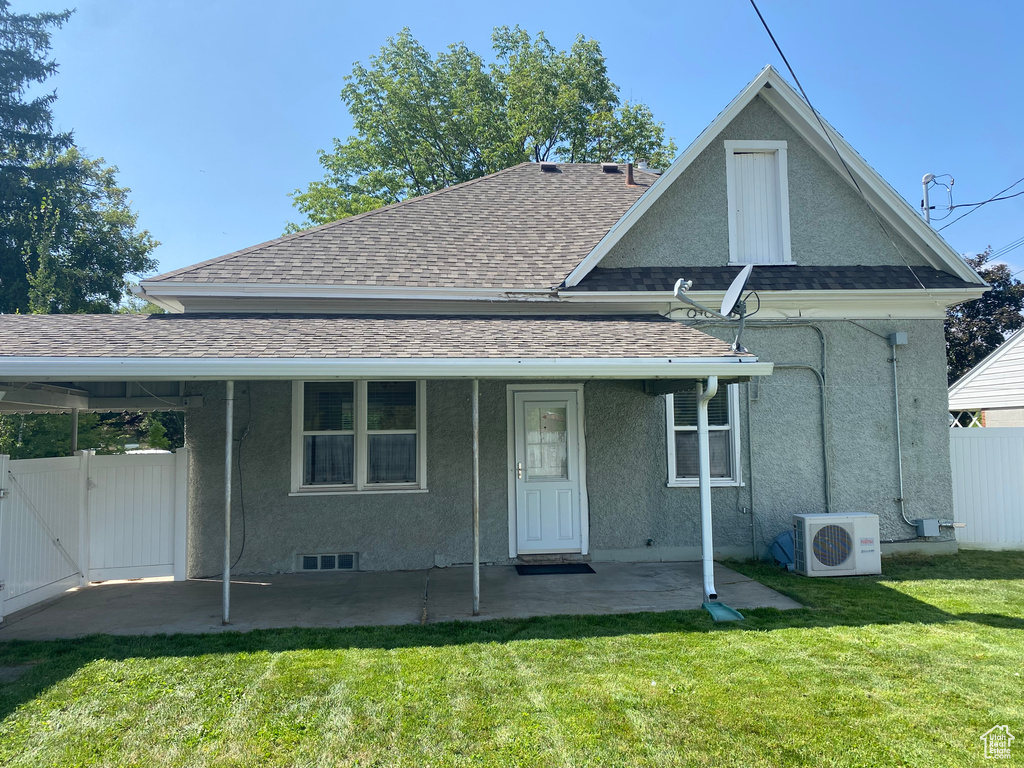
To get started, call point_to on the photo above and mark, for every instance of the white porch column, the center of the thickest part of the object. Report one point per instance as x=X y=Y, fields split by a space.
x=704 y=480
x=476 y=497
x=229 y=399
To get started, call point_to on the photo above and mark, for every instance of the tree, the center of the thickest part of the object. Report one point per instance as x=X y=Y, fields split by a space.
x=975 y=328
x=423 y=123
x=68 y=235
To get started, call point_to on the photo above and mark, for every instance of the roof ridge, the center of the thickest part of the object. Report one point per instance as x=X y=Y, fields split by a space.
x=335 y=223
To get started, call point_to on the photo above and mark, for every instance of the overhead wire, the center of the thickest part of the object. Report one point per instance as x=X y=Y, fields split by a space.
x=828 y=135
x=978 y=205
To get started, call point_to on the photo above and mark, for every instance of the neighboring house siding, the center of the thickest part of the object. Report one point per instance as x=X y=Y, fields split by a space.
x=625 y=437
x=996 y=383
x=830 y=224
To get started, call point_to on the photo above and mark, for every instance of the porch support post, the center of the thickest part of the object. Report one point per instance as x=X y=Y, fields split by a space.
x=229 y=400
x=476 y=497
x=74 y=431
x=704 y=480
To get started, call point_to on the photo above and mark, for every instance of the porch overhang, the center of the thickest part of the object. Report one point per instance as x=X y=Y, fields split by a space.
x=87 y=348
x=38 y=369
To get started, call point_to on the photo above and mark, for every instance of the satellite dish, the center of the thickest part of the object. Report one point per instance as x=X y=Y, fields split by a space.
x=731 y=304
x=736 y=290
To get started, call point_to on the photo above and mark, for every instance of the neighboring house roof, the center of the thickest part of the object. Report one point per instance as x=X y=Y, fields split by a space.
x=888 y=203
x=522 y=227
x=767 y=277
x=995 y=382
x=79 y=347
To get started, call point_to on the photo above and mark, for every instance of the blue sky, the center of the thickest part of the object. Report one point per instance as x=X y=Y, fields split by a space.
x=214 y=111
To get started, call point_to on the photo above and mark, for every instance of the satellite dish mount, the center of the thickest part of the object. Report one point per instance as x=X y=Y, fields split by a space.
x=732 y=304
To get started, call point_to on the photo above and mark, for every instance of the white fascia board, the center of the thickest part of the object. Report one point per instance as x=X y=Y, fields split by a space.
x=957 y=398
x=170 y=291
x=822 y=305
x=192 y=369
x=889 y=203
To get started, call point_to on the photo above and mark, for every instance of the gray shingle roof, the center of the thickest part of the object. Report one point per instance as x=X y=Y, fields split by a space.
x=275 y=336
x=789 y=277
x=519 y=228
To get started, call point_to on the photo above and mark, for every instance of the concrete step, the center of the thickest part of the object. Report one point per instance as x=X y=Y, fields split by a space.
x=552 y=559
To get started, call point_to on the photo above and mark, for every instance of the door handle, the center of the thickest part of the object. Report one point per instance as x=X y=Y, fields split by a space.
x=519 y=470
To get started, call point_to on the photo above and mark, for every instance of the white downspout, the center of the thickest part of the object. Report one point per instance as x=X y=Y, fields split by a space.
x=476 y=497
x=704 y=481
x=229 y=399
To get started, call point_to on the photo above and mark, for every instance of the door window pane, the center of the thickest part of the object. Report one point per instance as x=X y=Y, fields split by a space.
x=547 y=452
x=391 y=459
x=328 y=460
x=686 y=454
x=390 y=405
x=328 y=406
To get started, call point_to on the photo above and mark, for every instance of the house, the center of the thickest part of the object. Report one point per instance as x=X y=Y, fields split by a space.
x=992 y=393
x=499 y=370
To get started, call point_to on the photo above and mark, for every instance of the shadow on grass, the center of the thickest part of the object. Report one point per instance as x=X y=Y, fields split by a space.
x=852 y=601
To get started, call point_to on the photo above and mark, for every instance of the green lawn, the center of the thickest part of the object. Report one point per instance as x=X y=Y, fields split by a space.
x=905 y=669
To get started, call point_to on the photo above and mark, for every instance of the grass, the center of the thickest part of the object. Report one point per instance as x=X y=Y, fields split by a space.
x=907 y=669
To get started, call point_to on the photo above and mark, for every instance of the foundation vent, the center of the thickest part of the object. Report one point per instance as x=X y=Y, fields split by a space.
x=344 y=561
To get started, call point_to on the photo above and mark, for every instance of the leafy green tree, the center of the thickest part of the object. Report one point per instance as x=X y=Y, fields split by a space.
x=423 y=122
x=156 y=435
x=974 y=329
x=67 y=232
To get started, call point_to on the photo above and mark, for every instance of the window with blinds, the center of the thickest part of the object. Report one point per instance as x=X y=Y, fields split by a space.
x=681 y=413
x=758 y=193
x=358 y=435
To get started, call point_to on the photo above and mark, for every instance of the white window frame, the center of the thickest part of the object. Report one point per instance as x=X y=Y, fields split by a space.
x=733 y=394
x=779 y=148
x=361 y=443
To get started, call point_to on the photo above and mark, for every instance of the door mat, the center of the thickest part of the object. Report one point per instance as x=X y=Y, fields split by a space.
x=553 y=568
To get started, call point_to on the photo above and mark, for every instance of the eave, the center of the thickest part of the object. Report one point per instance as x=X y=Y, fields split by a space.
x=192 y=369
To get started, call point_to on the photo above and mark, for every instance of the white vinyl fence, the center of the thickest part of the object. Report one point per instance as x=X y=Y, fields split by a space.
x=988 y=486
x=67 y=521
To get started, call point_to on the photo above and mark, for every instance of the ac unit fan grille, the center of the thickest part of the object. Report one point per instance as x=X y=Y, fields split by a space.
x=832 y=545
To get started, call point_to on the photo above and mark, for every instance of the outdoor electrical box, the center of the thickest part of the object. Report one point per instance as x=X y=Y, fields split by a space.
x=927 y=527
x=897 y=339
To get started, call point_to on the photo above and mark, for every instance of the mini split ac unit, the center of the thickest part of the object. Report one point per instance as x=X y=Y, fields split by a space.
x=836 y=545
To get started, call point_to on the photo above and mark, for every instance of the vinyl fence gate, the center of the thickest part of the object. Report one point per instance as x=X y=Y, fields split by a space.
x=67 y=521
x=988 y=486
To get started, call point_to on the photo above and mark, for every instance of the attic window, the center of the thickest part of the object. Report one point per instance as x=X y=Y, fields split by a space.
x=758 y=197
x=548 y=167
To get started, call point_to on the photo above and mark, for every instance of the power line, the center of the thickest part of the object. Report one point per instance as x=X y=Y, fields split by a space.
x=839 y=154
x=986 y=202
x=1007 y=248
x=978 y=205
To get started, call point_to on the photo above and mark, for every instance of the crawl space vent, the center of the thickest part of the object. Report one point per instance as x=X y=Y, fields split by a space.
x=345 y=561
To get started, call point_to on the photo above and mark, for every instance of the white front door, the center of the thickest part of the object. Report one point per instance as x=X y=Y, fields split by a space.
x=547 y=468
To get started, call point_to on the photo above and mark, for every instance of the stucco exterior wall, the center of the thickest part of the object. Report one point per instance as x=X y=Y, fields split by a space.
x=689 y=224
x=630 y=504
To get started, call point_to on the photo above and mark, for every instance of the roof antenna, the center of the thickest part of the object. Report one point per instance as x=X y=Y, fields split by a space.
x=732 y=304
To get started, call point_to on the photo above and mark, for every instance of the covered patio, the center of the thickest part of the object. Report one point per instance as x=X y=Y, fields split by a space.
x=381 y=598
x=659 y=355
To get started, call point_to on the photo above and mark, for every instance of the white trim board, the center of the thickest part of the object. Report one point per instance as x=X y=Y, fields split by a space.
x=219 y=369
x=771 y=86
x=581 y=453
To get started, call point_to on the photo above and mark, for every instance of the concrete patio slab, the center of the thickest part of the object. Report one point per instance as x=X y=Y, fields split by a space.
x=384 y=598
